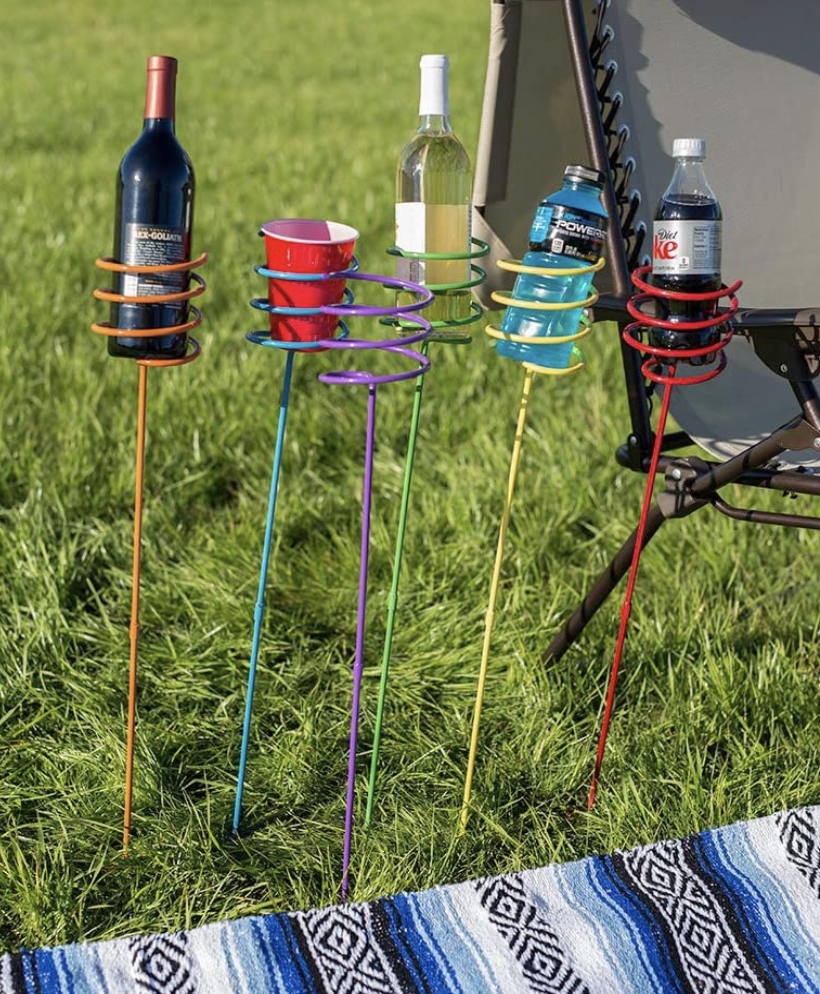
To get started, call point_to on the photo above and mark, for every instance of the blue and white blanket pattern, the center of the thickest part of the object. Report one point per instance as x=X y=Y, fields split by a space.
x=731 y=911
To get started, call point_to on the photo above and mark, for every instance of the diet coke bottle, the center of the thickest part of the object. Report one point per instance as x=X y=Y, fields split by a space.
x=686 y=249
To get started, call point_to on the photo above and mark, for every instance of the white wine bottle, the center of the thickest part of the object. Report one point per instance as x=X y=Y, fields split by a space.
x=433 y=189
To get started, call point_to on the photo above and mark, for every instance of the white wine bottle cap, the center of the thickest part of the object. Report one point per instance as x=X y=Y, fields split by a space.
x=434 y=98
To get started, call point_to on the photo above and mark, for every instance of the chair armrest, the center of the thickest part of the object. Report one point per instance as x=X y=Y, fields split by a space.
x=787 y=340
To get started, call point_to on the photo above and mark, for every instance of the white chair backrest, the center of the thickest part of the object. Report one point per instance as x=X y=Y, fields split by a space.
x=743 y=74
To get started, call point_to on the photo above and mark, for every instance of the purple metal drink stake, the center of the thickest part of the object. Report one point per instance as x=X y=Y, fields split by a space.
x=358 y=661
x=356 y=377
x=359 y=377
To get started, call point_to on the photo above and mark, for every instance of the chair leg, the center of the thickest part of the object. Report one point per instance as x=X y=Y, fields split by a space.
x=708 y=480
x=603 y=587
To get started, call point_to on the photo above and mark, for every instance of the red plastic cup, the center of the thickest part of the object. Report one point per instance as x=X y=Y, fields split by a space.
x=297 y=245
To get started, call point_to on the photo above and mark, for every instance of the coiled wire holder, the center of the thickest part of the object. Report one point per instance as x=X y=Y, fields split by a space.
x=660 y=367
x=398 y=346
x=194 y=350
x=448 y=333
x=531 y=369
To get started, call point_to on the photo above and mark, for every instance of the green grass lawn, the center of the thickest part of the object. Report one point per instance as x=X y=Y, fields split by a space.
x=300 y=109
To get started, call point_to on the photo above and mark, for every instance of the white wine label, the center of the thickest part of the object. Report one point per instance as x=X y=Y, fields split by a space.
x=686 y=248
x=439 y=228
x=154 y=245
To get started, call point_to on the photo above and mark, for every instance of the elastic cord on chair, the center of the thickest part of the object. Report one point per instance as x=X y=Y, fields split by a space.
x=602 y=34
x=616 y=146
x=617 y=135
x=625 y=170
x=628 y=218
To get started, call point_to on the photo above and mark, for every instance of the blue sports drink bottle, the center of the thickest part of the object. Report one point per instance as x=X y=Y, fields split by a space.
x=568 y=233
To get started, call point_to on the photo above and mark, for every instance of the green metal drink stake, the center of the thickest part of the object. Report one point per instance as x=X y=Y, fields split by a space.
x=448 y=332
x=393 y=600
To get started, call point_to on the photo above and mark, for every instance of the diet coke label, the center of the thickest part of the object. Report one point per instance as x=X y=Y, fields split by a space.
x=686 y=248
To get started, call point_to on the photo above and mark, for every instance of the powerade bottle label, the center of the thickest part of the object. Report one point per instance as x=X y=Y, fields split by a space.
x=686 y=248
x=568 y=231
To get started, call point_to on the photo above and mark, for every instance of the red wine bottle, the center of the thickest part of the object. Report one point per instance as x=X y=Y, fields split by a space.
x=154 y=218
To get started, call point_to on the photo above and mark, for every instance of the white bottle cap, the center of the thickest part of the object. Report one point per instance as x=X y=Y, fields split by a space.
x=689 y=148
x=434 y=98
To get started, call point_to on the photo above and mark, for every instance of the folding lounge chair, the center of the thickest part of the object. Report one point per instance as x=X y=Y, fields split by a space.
x=613 y=86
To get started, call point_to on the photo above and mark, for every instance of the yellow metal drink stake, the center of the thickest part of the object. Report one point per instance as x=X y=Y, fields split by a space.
x=576 y=363
x=488 y=624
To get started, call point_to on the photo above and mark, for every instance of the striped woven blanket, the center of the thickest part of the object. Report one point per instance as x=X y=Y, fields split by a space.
x=731 y=911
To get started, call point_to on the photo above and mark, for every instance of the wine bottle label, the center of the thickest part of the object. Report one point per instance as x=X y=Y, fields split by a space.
x=154 y=245
x=569 y=231
x=686 y=248
x=438 y=228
